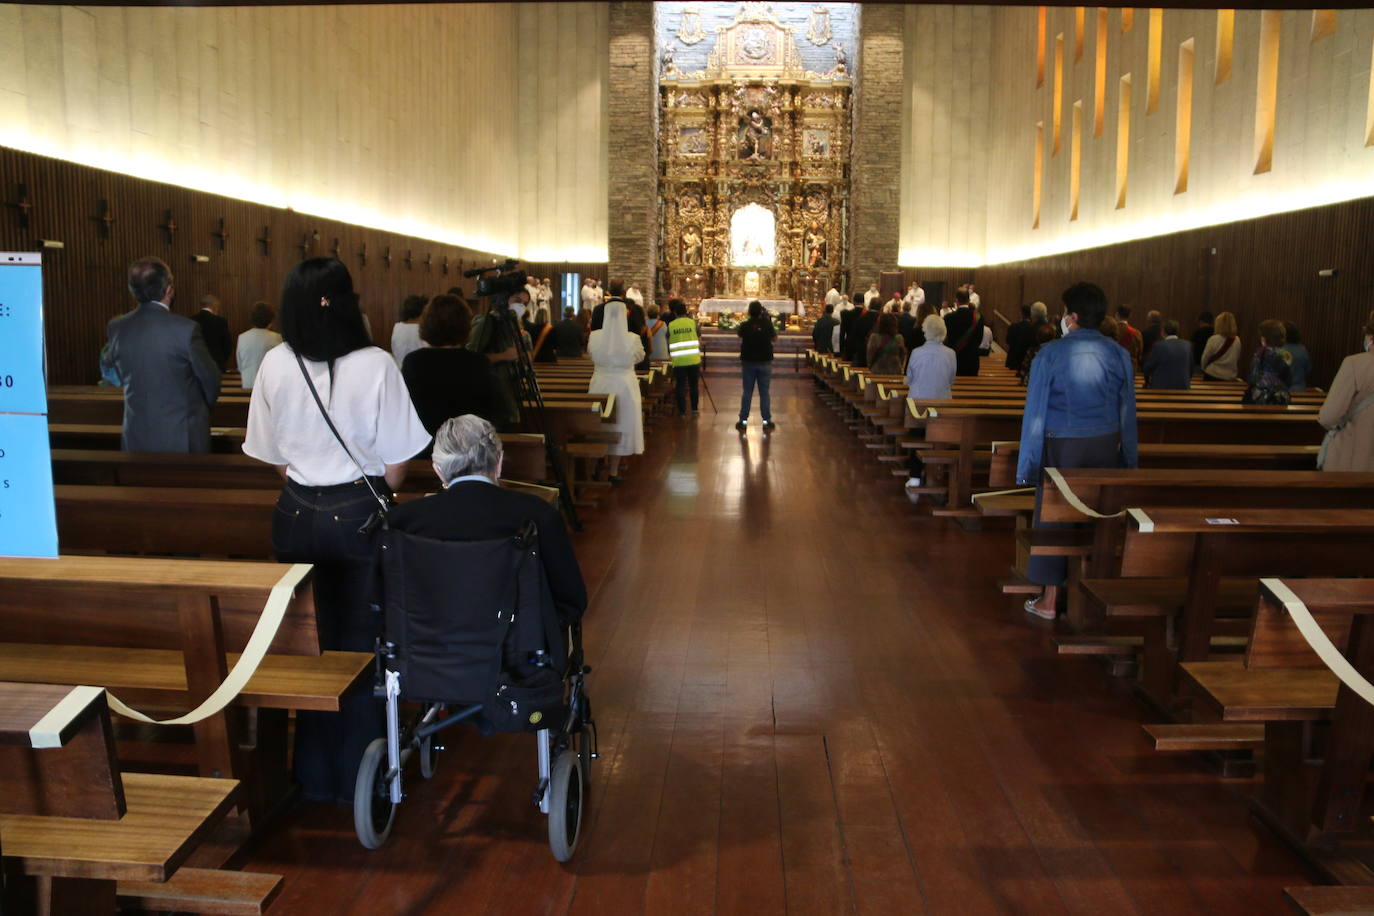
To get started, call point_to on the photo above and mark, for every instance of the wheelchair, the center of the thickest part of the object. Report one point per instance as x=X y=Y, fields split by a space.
x=471 y=634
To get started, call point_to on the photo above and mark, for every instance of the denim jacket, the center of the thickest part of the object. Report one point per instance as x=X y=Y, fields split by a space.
x=1080 y=386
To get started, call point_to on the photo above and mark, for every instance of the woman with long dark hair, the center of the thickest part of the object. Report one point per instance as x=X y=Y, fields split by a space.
x=327 y=366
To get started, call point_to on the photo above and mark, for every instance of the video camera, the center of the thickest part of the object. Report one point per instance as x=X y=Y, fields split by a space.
x=501 y=286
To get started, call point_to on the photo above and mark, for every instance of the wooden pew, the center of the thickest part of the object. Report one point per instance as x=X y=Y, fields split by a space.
x=1283 y=684
x=1202 y=455
x=524 y=460
x=1107 y=491
x=164 y=633
x=1205 y=545
x=968 y=428
x=56 y=744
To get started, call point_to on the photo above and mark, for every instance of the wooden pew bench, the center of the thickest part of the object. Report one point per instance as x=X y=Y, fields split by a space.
x=1208 y=545
x=163 y=634
x=1283 y=685
x=1194 y=456
x=1106 y=491
x=72 y=825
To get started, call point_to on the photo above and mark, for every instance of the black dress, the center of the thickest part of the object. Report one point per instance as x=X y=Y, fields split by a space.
x=449 y=382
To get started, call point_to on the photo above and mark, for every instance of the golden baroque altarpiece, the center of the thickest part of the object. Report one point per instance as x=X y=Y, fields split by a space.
x=753 y=128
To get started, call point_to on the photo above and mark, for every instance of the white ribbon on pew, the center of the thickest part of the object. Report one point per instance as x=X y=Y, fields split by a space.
x=1072 y=499
x=263 y=633
x=1318 y=640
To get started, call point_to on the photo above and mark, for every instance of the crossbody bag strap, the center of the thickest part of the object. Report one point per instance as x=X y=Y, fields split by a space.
x=333 y=429
x=1354 y=411
x=1221 y=351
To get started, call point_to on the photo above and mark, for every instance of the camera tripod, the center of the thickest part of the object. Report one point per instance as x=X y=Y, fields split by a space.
x=529 y=401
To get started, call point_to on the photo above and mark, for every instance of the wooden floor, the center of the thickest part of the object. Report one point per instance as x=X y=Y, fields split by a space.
x=812 y=699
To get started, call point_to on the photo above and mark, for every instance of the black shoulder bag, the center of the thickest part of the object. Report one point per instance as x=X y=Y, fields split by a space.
x=384 y=503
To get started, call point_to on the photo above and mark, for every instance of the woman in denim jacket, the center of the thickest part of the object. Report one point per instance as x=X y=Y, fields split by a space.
x=1080 y=413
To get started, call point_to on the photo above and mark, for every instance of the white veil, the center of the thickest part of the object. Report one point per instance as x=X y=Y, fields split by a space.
x=614 y=346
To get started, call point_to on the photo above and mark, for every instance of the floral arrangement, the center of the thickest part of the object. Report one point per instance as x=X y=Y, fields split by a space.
x=727 y=322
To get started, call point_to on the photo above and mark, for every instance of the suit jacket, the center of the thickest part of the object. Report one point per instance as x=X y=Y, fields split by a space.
x=965 y=336
x=598 y=315
x=170 y=380
x=905 y=323
x=567 y=338
x=860 y=327
x=215 y=330
x=846 y=323
x=1170 y=364
x=822 y=333
x=1020 y=338
x=473 y=510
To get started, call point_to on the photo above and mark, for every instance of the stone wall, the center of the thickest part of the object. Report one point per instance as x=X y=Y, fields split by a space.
x=632 y=111
x=876 y=161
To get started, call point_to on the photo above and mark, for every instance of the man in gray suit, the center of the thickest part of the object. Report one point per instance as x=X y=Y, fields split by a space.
x=170 y=379
x=1170 y=362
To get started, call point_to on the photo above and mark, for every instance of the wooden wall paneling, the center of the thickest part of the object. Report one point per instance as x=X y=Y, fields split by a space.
x=84 y=282
x=1261 y=268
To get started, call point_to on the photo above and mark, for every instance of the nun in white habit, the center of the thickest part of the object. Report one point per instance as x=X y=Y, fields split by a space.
x=614 y=352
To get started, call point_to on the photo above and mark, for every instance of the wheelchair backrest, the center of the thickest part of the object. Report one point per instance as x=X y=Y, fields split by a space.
x=458 y=611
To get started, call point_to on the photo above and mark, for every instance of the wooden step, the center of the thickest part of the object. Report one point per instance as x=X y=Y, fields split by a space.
x=203 y=890
x=1096 y=644
x=1207 y=736
x=1153 y=597
x=893 y=459
x=1019 y=585
x=1055 y=542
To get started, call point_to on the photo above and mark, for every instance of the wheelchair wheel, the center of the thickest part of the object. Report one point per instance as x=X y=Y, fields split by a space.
x=586 y=740
x=565 y=805
x=373 y=811
x=429 y=757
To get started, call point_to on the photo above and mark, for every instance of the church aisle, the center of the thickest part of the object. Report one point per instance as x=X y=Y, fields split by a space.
x=811 y=699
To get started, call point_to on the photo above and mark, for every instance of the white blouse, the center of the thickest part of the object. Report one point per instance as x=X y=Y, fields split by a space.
x=405 y=338
x=368 y=402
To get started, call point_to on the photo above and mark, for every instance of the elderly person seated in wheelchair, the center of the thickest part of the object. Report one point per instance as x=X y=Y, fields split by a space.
x=472 y=507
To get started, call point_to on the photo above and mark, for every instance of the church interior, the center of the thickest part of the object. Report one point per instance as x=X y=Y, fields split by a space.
x=326 y=328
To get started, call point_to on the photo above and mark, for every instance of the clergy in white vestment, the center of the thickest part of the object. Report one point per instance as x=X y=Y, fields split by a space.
x=871 y=295
x=973 y=299
x=543 y=296
x=634 y=295
x=915 y=295
x=834 y=299
x=588 y=295
x=532 y=287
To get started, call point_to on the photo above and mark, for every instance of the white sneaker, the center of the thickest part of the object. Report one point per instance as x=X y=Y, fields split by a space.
x=912 y=482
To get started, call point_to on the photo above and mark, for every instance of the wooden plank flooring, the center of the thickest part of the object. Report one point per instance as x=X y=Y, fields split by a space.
x=812 y=699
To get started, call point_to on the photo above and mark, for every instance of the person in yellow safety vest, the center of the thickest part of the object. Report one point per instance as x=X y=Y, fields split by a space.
x=684 y=348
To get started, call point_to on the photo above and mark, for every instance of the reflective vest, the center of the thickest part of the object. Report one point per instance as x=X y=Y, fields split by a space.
x=684 y=347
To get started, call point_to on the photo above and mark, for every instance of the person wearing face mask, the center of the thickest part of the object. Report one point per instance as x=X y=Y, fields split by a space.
x=1348 y=412
x=1080 y=413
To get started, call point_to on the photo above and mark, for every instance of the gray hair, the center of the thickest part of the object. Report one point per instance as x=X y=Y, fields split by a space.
x=1039 y=312
x=467 y=445
x=934 y=328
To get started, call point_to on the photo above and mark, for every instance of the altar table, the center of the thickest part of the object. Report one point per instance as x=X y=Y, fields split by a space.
x=710 y=306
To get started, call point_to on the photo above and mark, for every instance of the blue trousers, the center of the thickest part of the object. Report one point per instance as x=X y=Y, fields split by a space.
x=760 y=374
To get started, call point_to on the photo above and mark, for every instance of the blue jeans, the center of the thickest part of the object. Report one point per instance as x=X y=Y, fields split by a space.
x=760 y=374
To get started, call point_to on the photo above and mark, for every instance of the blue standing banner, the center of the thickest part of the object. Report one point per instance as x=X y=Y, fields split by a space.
x=28 y=521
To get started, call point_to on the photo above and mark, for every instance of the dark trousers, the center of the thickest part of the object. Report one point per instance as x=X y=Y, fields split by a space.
x=685 y=379
x=1060 y=452
x=320 y=525
x=760 y=374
